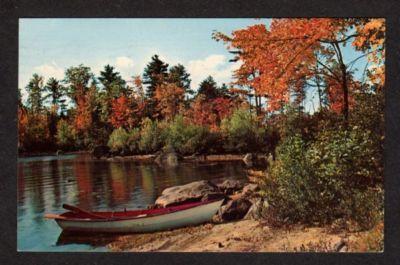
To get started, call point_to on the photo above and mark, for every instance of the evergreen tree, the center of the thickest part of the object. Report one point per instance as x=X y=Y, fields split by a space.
x=78 y=79
x=208 y=88
x=154 y=74
x=180 y=77
x=35 y=89
x=55 y=90
x=112 y=81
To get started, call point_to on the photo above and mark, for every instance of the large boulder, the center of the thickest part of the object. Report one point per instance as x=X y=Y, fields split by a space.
x=230 y=186
x=100 y=151
x=234 y=209
x=194 y=191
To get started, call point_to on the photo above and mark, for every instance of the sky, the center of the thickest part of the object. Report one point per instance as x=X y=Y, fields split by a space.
x=49 y=46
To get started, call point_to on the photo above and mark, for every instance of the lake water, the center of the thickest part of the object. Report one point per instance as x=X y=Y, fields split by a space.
x=45 y=183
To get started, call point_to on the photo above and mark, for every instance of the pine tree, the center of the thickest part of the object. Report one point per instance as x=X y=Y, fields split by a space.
x=180 y=77
x=154 y=74
x=112 y=81
x=35 y=89
x=208 y=87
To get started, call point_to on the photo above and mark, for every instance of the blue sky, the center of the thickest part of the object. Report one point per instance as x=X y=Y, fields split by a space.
x=49 y=46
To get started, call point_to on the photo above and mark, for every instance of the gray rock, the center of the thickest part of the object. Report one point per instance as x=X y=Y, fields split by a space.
x=229 y=186
x=255 y=211
x=194 y=191
x=250 y=189
x=234 y=209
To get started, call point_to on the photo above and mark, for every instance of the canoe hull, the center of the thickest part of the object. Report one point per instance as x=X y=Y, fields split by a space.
x=192 y=216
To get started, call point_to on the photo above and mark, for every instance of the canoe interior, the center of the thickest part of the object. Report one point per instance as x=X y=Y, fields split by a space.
x=132 y=213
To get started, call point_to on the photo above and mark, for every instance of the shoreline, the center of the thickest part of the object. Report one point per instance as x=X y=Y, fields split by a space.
x=151 y=157
x=242 y=236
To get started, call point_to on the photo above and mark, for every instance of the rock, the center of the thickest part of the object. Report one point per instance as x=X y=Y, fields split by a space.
x=229 y=186
x=234 y=209
x=255 y=211
x=194 y=191
x=248 y=159
x=100 y=151
x=341 y=246
x=250 y=189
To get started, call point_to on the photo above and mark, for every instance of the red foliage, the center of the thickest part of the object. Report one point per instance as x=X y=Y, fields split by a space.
x=122 y=113
x=210 y=112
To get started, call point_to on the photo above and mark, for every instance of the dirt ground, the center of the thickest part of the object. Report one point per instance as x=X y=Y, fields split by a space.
x=240 y=236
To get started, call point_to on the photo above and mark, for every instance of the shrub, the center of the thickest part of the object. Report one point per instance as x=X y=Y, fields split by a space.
x=65 y=135
x=150 y=136
x=133 y=140
x=118 y=140
x=187 y=138
x=327 y=179
x=242 y=132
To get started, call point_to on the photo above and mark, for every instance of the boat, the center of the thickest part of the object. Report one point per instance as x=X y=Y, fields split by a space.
x=136 y=221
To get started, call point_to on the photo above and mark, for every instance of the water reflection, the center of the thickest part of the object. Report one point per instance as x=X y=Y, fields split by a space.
x=44 y=185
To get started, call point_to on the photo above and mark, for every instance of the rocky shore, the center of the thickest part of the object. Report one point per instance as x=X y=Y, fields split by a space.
x=238 y=226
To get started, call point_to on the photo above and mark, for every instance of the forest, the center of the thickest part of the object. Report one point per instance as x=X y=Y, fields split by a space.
x=329 y=158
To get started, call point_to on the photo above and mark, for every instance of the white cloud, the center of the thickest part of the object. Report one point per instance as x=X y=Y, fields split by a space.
x=124 y=62
x=49 y=70
x=216 y=65
x=125 y=66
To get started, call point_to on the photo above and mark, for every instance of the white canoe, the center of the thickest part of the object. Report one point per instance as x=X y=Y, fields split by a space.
x=137 y=221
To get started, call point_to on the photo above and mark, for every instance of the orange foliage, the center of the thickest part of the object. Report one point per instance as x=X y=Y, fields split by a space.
x=122 y=113
x=83 y=117
x=169 y=99
x=371 y=38
x=336 y=96
x=275 y=62
x=210 y=112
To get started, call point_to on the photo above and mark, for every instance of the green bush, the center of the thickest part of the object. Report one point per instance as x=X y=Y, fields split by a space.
x=242 y=133
x=118 y=141
x=187 y=138
x=326 y=179
x=65 y=135
x=133 y=140
x=150 y=136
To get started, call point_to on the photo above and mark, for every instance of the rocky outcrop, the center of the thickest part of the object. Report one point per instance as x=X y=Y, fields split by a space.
x=194 y=191
x=243 y=201
x=234 y=209
x=230 y=186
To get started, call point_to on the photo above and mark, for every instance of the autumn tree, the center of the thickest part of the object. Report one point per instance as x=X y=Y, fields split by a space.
x=279 y=60
x=371 y=40
x=169 y=98
x=122 y=113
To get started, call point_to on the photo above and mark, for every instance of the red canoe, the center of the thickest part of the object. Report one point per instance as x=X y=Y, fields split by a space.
x=136 y=221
